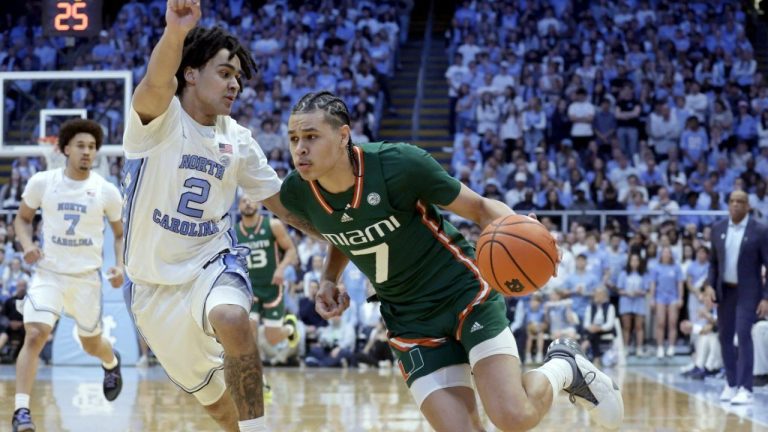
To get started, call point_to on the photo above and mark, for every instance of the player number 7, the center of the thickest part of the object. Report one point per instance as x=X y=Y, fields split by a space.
x=73 y=219
x=382 y=260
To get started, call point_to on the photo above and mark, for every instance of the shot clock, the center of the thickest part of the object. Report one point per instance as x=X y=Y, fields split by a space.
x=79 y=18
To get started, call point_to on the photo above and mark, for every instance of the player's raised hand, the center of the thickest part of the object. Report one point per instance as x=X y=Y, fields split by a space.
x=182 y=15
x=33 y=255
x=330 y=301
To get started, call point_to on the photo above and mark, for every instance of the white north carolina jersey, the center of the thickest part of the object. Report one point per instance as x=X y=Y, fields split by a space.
x=73 y=218
x=180 y=182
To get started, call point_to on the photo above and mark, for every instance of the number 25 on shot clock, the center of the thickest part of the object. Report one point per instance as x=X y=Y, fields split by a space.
x=72 y=17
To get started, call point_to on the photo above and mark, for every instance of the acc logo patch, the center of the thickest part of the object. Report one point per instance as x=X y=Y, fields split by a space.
x=373 y=198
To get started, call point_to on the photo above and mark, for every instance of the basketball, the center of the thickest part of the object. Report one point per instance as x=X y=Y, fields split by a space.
x=516 y=255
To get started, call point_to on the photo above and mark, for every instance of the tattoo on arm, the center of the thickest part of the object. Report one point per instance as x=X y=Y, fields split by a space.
x=303 y=225
x=244 y=379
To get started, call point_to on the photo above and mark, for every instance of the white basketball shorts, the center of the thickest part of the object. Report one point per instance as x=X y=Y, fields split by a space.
x=173 y=319
x=76 y=295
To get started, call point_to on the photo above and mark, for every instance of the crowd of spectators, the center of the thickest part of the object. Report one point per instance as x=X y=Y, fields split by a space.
x=659 y=104
x=632 y=105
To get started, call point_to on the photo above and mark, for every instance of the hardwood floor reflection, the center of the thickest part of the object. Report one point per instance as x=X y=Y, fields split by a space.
x=70 y=399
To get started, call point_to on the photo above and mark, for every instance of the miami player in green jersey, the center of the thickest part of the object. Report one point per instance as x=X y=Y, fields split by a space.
x=264 y=235
x=377 y=205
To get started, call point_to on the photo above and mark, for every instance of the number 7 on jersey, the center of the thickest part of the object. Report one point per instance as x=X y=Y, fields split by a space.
x=382 y=260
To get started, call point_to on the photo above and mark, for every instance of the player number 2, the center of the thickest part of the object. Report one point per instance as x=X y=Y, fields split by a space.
x=199 y=196
x=257 y=259
x=381 y=254
x=73 y=219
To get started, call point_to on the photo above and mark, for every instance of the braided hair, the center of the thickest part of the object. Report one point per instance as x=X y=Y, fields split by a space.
x=202 y=44
x=334 y=109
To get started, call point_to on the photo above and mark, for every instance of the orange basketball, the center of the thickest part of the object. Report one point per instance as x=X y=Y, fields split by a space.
x=516 y=255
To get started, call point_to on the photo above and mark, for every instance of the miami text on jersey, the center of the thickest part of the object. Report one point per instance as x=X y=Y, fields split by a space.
x=370 y=234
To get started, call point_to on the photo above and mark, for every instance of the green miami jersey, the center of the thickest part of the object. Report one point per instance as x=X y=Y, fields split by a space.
x=389 y=226
x=262 y=260
x=433 y=300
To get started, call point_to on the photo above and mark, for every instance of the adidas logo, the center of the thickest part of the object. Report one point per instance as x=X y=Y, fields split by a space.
x=345 y=218
x=475 y=327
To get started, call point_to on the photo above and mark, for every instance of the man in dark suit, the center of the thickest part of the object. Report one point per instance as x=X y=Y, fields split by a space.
x=739 y=252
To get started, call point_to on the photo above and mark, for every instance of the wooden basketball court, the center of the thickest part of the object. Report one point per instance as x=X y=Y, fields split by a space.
x=70 y=399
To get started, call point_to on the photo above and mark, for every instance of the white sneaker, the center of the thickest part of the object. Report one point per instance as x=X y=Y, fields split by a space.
x=539 y=358
x=671 y=351
x=590 y=388
x=728 y=393
x=743 y=397
x=659 y=352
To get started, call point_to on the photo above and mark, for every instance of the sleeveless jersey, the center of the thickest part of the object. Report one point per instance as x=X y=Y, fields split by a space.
x=180 y=182
x=388 y=225
x=73 y=218
x=262 y=260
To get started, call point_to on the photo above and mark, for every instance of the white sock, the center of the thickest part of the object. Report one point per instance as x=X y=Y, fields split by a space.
x=558 y=372
x=22 y=401
x=111 y=365
x=253 y=425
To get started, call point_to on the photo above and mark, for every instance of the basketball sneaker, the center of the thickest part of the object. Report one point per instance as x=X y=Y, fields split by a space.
x=22 y=421
x=728 y=393
x=113 y=380
x=590 y=388
x=293 y=339
x=743 y=397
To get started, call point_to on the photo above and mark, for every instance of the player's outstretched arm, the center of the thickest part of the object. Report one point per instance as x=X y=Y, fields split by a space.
x=156 y=89
x=468 y=204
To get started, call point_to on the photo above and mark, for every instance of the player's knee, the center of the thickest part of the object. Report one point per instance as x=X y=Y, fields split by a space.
x=36 y=336
x=510 y=418
x=230 y=322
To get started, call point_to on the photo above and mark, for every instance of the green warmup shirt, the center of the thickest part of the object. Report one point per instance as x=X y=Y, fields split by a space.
x=388 y=225
x=262 y=261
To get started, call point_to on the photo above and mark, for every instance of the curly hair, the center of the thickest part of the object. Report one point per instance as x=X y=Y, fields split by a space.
x=202 y=44
x=70 y=128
